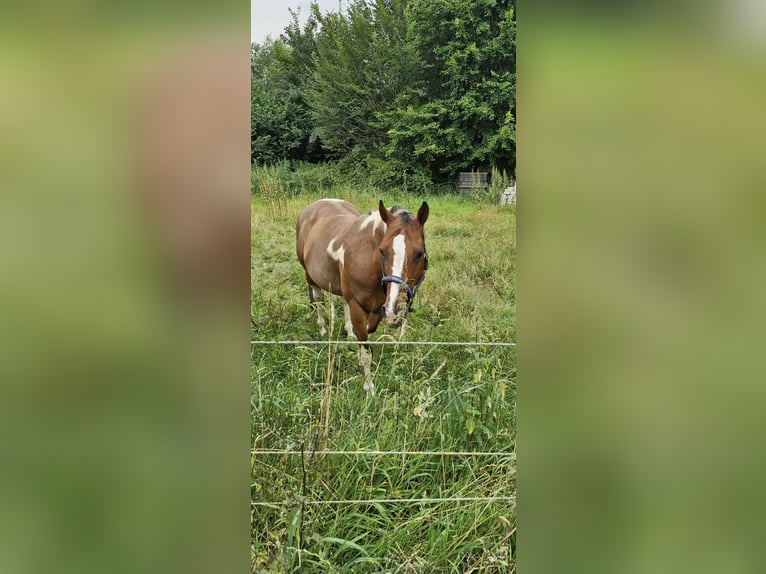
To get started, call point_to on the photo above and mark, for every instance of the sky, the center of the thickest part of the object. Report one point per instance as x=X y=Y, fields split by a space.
x=268 y=18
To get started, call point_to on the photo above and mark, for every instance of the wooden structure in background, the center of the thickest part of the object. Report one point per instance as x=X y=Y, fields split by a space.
x=470 y=180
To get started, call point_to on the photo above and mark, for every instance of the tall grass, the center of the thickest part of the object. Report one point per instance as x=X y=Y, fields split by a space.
x=428 y=398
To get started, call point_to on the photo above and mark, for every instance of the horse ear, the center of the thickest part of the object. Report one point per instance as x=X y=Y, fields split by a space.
x=423 y=213
x=385 y=215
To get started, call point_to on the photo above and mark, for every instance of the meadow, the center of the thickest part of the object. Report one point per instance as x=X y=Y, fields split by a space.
x=315 y=512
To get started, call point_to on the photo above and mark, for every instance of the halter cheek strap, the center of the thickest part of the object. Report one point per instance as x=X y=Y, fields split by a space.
x=398 y=280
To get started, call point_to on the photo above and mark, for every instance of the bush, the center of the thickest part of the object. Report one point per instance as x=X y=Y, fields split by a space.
x=360 y=172
x=290 y=179
x=498 y=183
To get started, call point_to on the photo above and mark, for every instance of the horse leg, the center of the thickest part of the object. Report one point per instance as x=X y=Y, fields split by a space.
x=316 y=296
x=347 y=315
x=359 y=323
x=365 y=359
x=358 y=318
x=365 y=354
x=372 y=321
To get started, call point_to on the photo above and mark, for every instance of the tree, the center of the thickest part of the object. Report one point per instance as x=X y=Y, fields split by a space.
x=464 y=115
x=420 y=88
x=363 y=63
x=282 y=125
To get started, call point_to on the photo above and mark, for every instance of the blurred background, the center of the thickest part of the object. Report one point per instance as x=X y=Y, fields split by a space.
x=124 y=287
x=641 y=287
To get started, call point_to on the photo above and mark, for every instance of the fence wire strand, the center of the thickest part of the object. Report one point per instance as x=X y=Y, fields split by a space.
x=390 y=500
x=424 y=500
x=259 y=451
x=419 y=343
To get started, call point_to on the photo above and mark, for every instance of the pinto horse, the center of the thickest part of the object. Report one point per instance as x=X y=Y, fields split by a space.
x=376 y=261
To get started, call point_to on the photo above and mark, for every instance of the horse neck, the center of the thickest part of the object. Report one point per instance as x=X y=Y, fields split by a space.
x=377 y=239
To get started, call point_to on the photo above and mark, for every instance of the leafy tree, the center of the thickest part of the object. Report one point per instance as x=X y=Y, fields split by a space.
x=363 y=63
x=420 y=89
x=282 y=125
x=298 y=57
x=463 y=115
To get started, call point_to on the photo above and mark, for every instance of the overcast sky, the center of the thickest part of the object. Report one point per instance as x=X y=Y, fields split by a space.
x=269 y=18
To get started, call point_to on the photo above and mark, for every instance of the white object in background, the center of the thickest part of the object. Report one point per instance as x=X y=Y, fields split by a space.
x=508 y=197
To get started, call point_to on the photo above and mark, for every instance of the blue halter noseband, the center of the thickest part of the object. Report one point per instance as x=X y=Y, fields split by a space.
x=394 y=279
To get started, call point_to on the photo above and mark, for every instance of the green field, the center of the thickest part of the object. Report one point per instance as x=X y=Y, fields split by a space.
x=429 y=398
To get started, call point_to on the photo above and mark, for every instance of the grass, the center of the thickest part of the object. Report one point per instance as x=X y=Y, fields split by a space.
x=428 y=398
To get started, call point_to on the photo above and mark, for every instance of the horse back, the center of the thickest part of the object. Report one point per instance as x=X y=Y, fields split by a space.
x=318 y=225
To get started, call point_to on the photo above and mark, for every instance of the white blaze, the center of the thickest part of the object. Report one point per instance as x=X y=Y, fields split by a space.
x=393 y=295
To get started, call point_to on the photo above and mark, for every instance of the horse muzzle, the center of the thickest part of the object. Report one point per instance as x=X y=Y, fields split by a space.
x=402 y=308
x=396 y=310
x=395 y=320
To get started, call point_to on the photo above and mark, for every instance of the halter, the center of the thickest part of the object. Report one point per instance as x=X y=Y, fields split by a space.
x=398 y=280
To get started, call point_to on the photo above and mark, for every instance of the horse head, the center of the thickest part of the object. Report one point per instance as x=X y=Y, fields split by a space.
x=403 y=259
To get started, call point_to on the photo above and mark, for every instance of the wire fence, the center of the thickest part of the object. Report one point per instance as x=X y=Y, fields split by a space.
x=419 y=343
x=368 y=452
x=384 y=452
x=390 y=501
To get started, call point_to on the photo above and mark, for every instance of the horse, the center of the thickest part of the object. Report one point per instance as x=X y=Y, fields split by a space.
x=376 y=262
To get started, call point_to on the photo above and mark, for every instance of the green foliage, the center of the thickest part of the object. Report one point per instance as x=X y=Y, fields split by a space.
x=283 y=180
x=282 y=126
x=363 y=63
x=384 y=173
x=463 y=117
x=297 y=59
x=408 y=92
x=499 y=182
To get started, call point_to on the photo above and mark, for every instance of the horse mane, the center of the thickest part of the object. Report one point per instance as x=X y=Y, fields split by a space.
x=398 y=210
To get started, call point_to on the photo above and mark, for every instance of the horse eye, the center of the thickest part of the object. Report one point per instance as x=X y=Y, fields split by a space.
x=382 y=252
x=418 y=255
